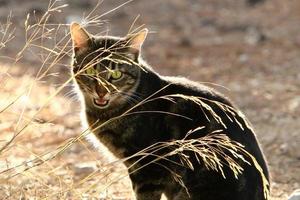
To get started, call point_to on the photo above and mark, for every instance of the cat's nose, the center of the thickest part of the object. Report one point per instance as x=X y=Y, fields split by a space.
x=101 y=91
x=101 y=95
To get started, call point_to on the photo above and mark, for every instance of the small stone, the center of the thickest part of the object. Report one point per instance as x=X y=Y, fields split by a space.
x=84 y=169
x=197 y=61
x=294 y=104
x=243 y=58
x=295 y=195
x=254 y=36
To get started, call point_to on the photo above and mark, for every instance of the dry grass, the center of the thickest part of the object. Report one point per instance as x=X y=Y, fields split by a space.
x=37 y=126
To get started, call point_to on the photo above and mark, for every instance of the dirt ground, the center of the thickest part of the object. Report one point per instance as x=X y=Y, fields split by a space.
x=249 y=53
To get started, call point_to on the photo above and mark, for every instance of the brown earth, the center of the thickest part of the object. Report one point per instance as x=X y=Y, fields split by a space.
x=251 y=51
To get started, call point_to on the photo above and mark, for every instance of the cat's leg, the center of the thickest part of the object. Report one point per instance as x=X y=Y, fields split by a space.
x=178 y=195
x=150 y=182
x=147 y=191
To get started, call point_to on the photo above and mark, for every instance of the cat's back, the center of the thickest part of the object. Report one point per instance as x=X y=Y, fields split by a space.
x=202 y=112
x=181 y=85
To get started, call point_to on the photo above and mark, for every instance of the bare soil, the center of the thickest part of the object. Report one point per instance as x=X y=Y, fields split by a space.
x=249 y=53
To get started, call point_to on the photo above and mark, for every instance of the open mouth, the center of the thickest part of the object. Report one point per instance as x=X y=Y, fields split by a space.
x=101 y=102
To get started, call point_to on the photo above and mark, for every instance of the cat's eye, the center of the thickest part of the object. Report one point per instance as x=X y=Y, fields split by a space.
x=91 y=71
x=115 y=74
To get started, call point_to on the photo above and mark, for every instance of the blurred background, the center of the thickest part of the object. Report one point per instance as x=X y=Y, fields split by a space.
x=247 y=49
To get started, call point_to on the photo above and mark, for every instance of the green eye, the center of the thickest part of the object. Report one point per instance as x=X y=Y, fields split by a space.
x=91 y=71
x=116 y=74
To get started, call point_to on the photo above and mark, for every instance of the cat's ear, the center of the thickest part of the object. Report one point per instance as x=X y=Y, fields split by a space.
x=136 y=40
x=80 y=36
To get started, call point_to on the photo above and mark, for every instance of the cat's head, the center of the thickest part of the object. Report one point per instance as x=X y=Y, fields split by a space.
x=106 y=69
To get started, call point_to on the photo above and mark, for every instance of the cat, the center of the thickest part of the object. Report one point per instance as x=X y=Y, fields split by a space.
x=129 y=107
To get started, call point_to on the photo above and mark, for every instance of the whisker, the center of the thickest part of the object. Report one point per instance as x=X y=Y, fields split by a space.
x=129 y=98
x=131 y=94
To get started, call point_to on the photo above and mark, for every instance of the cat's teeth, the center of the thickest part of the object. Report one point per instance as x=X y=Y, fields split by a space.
x=101 y=102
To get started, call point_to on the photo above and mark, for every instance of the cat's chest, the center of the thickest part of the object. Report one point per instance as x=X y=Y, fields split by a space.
x=116 y=135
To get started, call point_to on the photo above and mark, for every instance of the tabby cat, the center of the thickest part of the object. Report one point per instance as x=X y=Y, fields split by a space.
x=129 y=107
